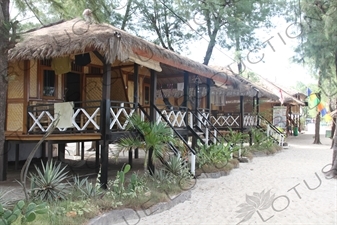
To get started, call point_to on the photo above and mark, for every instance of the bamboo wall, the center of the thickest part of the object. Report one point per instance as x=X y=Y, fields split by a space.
x=16 y=96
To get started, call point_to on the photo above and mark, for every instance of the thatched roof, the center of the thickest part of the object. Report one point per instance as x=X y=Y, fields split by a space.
x=248 y=89
x=78 y=36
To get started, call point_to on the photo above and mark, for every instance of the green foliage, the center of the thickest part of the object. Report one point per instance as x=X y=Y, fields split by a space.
x=178 y=168
x=87 y=188
x=154 y=136
x=49 y=184
x=236 y=138
x=217 y=154
x=26 y=212
x=79 y=207
x=137 y=186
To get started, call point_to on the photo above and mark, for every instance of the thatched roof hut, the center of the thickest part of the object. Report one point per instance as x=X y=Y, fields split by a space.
x=248 y=89
x=78 y=36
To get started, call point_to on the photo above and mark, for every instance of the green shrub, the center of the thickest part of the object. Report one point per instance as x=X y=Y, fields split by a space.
x=49 y=184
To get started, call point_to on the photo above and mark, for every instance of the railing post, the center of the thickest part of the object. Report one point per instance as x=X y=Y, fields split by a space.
x=206 y=135
x=215 y=136
x=268 y=130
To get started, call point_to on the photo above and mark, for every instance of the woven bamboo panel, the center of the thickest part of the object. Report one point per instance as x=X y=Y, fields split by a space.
x=15 y=117
x=33 y=79
x=130 y=91
x=93 y=88
x=95 y=60
x=16 y=80
x=86 y=69
x=93 y=91
x=118 y=92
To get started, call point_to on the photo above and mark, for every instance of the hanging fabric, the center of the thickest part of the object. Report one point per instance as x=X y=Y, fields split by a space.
x=61 y=65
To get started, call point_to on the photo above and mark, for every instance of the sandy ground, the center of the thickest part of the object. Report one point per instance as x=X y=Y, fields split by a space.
x=302 y=195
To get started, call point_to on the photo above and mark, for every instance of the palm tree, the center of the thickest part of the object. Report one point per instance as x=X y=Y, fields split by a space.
x=153 y=138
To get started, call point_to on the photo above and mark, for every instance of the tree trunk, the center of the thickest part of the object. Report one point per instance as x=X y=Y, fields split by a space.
x=4 y=39
x=210 y=46
x=317 y=126
x=126 y=15
x=333 y=171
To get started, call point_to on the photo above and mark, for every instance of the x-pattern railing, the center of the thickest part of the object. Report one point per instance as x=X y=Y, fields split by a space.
x=119 y=116
x=229 y=120
x=176 y=118
x=40 y=119
x=249 y=120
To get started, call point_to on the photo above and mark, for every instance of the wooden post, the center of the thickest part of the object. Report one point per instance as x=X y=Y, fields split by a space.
x=4 y=162
x=153 y=90
x=254 y=105
x=17 y=155
x=208 y=101
x=196 y=107
x=135 y=85
x=97 y=165
x=136 y=92
x=257 y=108
x=61 y=151
x=50 y=151
x=242 y=114
x=105 y=123
x=82 y=150
x=186 y=98
x=130 y=157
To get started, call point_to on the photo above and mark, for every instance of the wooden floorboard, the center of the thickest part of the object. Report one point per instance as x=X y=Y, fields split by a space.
x=13 y=136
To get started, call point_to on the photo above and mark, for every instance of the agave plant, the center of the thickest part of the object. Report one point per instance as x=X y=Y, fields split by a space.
x=154 y=136
x=49 y=184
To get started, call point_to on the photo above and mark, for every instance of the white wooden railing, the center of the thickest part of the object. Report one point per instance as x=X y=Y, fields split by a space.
x=176 y=118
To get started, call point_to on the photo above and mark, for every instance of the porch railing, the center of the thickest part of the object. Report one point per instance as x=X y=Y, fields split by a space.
x=176 y=116
x=233 y=120
x=85 y=117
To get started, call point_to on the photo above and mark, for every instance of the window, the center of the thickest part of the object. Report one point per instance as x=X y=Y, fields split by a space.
x=49 y=83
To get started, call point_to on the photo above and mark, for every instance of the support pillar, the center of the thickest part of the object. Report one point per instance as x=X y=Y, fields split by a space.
x=4 y=162
x=196 y=107
x=136 y=93
x=208 y=96
x=61 y=151
x=135 y=85
x=82 y=150
x=97 y=151
x=242 y=114
x=130 y=156
x=153 y=90
x=186 y=99
x=17 y=155
x=50 y=151
x=105 y=122
x=257 y=108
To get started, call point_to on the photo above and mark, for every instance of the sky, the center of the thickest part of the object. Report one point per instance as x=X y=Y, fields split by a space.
x=275 y=64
